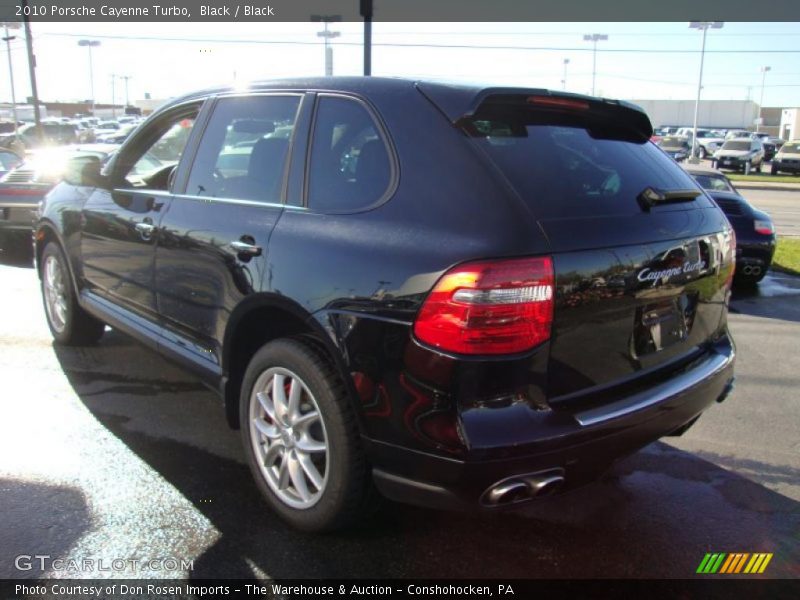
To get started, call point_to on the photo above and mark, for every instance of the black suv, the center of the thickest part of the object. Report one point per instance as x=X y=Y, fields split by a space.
x=458 y=296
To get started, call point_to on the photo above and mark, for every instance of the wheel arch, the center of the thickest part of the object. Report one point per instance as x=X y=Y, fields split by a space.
x=258 y=320
x=46 y=232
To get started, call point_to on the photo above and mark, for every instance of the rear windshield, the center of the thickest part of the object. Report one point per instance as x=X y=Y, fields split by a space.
x=736 y=145
x=566 y=171
x=715 y=183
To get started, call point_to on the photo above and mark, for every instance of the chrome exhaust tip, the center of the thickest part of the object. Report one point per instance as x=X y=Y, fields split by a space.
x=509 y=492
x=522 y=488
x=545 y=486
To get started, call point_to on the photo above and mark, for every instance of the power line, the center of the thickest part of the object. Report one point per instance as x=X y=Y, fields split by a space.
x=424 y=45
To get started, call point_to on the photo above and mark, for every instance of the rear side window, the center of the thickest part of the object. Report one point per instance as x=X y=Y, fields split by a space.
x=350 y=167
x=564 y=170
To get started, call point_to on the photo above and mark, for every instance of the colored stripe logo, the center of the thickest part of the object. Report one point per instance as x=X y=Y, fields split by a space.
x=733 y=563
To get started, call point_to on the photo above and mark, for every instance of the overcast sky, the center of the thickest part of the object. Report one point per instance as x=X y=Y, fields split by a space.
x=639 y=61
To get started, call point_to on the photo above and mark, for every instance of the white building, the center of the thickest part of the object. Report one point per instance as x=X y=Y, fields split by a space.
x=790 y=124
x=723 y=114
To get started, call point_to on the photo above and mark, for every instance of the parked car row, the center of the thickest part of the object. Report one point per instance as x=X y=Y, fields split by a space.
x=59 y=132
x=737 y=150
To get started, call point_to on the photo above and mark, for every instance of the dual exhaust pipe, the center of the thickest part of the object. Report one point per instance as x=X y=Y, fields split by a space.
x=522 y=488
x=751 y=270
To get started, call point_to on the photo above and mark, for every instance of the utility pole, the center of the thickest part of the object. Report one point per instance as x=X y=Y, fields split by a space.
x=564 y=81
x=126 y=78
x=760 y=121
x=703 y=26
x=366 y=12
x=7 y=39
x=594 y=38
x=327 y=36
x=37 y=116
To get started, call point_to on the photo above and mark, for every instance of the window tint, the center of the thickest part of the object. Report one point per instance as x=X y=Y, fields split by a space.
x=244 y=149
x=565 y=170
x=350 y=166
x=155 y=163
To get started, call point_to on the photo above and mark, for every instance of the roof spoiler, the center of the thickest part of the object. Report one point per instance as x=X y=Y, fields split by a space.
x=459 y=103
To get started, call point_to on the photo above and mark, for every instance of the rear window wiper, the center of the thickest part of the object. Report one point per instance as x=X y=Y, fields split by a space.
x=650 y=196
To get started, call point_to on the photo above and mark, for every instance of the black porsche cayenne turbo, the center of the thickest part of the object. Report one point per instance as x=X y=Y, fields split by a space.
x=461 y=297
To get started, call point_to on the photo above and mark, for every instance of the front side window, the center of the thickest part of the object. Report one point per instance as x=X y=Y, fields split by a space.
x=244 y=149
x=151 y=163
x=350 y=167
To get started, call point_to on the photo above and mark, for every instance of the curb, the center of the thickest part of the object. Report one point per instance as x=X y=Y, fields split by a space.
x=757 y=185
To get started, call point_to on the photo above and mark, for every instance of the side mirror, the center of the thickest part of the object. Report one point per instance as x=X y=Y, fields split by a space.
x=85 y=172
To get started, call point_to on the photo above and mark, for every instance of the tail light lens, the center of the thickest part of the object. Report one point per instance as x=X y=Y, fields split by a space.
x=731 y=258
x=764 y=227
x=489 y=307
x=10 y=191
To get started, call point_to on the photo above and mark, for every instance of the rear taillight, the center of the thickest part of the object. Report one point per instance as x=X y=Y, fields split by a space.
x=489 y=307
x=730 y=257
x=764 y=227
x=556 y=102
x=10 y=191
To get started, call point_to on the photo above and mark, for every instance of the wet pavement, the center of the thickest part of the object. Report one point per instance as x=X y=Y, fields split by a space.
x=111 y=453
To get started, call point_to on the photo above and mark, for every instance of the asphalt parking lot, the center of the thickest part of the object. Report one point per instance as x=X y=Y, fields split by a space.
x=111 y=453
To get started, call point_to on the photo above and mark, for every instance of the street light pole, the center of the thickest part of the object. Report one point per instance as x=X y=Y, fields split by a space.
x=126 y=78
x=90 y=44
x=594 y=38
x=761 y=102
x=564 y=81
x=327 y=36
x=113 y=96
x=703 y=26
x=7 y=39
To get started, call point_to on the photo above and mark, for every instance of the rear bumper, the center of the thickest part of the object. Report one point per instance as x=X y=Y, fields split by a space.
x=755 y=255
x=731 y=163
x=580 y=453
x=786 y=167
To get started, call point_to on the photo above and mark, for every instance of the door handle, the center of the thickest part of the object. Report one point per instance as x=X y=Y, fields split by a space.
x=244 y=248
x=145 y=230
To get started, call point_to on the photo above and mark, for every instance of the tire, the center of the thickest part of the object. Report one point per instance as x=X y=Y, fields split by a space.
x=68 y=322
x=773 y=170
x=338 y=491
x=758 y=168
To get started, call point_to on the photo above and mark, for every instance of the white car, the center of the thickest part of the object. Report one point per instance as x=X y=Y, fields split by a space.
x=707 y=142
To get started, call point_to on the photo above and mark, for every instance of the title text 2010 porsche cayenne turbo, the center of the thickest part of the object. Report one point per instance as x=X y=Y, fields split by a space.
x=458 y=296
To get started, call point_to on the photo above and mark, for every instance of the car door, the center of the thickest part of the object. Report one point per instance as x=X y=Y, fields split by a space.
x=758 y=148
x=119 y=224
x=213 y=244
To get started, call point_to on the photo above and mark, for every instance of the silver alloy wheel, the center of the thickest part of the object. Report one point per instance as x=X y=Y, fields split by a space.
x=287 y=434
x=55 y=295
